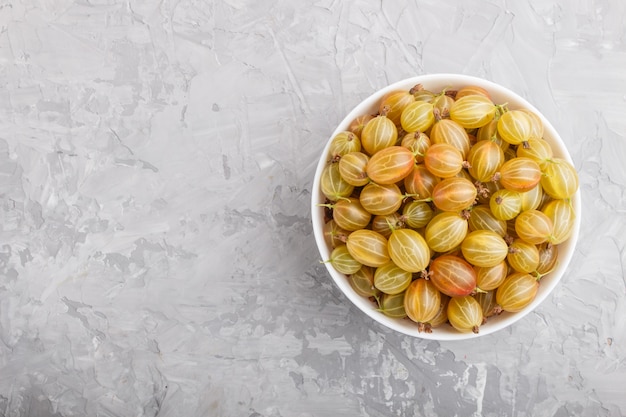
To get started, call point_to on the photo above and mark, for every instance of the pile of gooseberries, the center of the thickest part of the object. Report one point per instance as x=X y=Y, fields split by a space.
x=445 y=207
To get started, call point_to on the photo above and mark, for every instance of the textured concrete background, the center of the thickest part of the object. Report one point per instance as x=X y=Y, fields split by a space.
x=156 y=252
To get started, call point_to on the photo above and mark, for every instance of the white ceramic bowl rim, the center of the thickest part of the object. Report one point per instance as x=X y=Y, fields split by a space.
x=435 y=83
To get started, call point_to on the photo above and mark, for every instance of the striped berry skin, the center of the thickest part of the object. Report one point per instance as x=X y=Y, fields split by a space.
x=381 y=199
x=368 y=247
x=422 y=302
x=538 y=150
x=391 y=279
x=505 y=204
x=443 y=160
x=450 y=132
x=484 y=248
x=416 y=142
x=343 y=143
x=454 y=194
x=532 y=199
x=379 y=133
x=392 y=305
x=515 y=127
x=332 y=185
x=343 y=262
x=445 y=231
x=534 y=226
x=421 y=182
x=481 y=218
x=559 y=179
x=548 y=257
x=362 y=282
x=408 y=249
x=350 y=215
x=452 y=275
x=357 y=125
x=485 y=158
x=520 y=174
x=417 y=117
x=353 y=168
x=394 y=103
x=465 y=314
x=523 y=256
x=472 y=90
x=536 y=125
x=489 y=278
x=473 y=111
x=563 y=217
x=516 y=292
x=386 y=224
x=390 y=165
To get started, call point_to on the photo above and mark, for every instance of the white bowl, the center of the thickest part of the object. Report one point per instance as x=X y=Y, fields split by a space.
x=435 y=83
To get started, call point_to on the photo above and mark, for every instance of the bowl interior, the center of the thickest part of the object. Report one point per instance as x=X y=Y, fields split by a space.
x=435 y=83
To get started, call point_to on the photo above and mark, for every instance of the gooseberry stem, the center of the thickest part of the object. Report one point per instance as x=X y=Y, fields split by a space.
x=538 y=276
x=392 y=227
x=416 y=88
x=407 y=195
x=425 y=200
x=380 y=308
x=424 y=327
x=500 y=110
x=481 y=190
x=437 y=114
x=342 y=237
